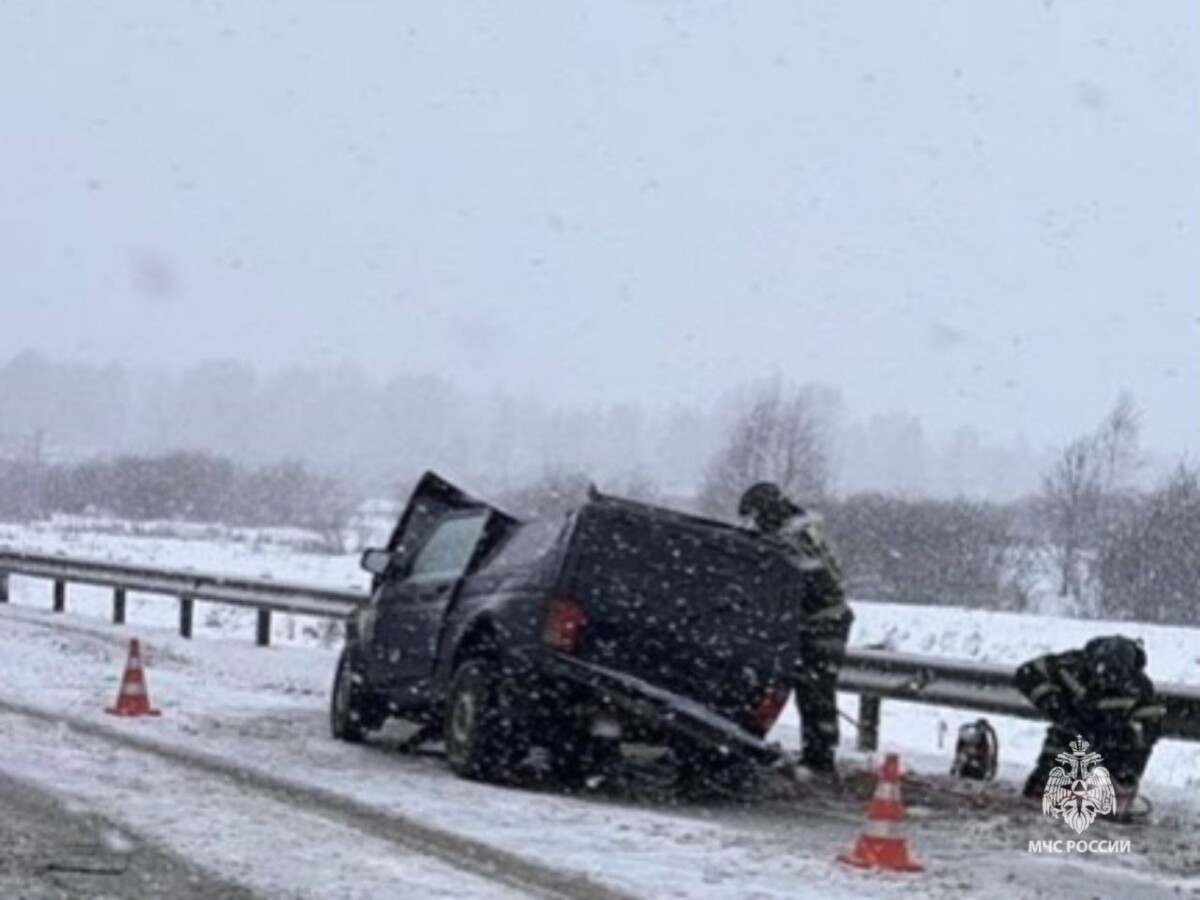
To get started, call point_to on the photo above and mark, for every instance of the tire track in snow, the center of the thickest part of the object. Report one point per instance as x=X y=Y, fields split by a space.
x=463 y=853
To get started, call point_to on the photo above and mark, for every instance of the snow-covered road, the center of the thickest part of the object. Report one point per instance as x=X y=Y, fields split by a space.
x=55 y=850
x=265 y=710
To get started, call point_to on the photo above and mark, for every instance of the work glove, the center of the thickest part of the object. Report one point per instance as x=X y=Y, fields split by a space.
x=1067 y=717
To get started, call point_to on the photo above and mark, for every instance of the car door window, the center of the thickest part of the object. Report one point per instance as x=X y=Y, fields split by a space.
x=528 y=545
x=445 y=555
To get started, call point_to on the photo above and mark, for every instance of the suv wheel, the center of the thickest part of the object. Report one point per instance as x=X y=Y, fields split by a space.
x=480 y=729
x=350 y=710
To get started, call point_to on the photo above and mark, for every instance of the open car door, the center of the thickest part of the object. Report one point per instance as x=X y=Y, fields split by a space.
x=442 y=534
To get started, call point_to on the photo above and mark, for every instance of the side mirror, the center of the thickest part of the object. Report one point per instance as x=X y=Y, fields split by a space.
x=376 y=561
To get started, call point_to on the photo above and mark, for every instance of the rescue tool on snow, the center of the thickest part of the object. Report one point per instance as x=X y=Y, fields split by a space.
x=977 y=752
x=133 y=699
x=882 y=845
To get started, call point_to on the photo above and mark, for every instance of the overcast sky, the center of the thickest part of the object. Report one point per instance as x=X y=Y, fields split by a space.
x=982 y=213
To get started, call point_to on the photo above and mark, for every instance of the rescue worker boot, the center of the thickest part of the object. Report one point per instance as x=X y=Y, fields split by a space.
x=1128 y=810
x=1035 y=787
x=816 y=764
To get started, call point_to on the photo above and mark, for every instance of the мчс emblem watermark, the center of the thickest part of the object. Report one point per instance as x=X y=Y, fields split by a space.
x=1077 y=792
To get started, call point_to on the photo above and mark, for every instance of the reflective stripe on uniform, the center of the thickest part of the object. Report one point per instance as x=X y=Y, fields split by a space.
x=808 y=539
x=1073 y=683
x=1042 y=690
x=1153 y=711
x=833 y=611
x=1116 y=703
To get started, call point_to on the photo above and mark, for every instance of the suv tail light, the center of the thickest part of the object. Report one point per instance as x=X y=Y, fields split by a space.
x=764 y=713
x=565 y=622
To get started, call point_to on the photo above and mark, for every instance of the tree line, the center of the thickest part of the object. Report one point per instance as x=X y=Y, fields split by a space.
x=1087 y=543
x=374 y=431
x=183 y=486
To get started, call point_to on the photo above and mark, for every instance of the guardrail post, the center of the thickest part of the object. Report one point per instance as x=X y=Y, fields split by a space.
x=3 y=587
x=60 y=595
x=868 y=722
x=185 y=616
x=262 y=636
x=118 y=606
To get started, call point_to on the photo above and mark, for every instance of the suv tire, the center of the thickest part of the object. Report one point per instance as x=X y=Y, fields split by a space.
x=483 y=740
x=352 y=711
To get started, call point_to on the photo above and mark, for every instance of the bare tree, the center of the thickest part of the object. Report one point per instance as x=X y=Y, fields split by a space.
x=1021 y=575
x=330 y=514
x=1070 y=499
x=1081 y=493
x=781 y=436
x=1117 y=443
x=1148 y=566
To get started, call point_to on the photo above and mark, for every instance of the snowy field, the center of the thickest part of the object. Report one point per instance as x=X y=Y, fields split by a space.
x=265 y=708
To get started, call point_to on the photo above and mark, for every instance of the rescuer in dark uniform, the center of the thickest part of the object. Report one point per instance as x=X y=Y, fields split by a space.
x=1102 y=693
x=825 y=620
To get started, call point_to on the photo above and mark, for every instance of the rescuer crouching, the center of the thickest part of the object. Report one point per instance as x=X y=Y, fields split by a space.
x=1101 y=693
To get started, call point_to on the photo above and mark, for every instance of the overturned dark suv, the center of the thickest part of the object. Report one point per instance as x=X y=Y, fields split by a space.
x=616 y=622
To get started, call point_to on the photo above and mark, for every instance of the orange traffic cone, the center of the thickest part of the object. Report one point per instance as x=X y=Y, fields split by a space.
x=133 y=699
x=883 y=845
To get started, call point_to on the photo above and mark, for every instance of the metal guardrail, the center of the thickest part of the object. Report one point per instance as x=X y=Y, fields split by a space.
x=875 y=675
x=983 y=687
x=264 y=595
